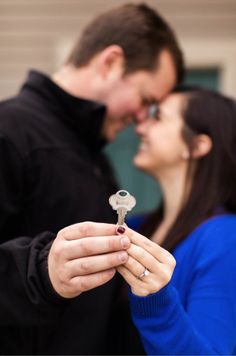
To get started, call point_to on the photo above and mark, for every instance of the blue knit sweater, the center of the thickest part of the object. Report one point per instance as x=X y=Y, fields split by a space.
x=195 y=314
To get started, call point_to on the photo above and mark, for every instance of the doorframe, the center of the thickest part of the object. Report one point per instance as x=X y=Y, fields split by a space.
x=213 y=53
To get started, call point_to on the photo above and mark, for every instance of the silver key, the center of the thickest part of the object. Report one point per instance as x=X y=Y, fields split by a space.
x=122 y=202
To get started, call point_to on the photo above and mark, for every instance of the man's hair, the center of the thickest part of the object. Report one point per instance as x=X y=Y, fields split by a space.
x=138 y=29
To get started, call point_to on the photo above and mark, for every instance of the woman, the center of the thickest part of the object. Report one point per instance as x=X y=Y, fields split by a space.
x=190 y=149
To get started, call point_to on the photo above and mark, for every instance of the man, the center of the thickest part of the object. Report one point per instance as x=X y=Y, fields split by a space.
x=53 y=174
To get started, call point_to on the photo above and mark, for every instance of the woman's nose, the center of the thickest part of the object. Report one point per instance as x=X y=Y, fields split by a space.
x=141 y=128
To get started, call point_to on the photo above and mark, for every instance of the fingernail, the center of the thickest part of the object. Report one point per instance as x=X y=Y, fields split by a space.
x=120 y=229
x=123 y=256
x=111 y=271
x=125 y=242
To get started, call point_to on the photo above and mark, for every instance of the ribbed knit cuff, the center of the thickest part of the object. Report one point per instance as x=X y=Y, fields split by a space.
x=153 y=303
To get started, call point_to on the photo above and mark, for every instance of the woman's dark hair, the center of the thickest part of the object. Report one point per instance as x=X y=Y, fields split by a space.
x=138 y=29
x=213 y=189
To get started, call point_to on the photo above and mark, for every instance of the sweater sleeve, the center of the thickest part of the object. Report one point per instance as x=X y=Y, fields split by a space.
x=206 y=324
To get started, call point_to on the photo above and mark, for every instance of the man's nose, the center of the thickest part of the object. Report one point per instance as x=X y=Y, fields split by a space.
x=141 y=115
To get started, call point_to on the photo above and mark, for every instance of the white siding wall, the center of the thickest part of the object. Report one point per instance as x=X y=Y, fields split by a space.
x=36 y=33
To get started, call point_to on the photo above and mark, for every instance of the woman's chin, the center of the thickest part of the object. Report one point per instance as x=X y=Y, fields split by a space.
x=138 y=163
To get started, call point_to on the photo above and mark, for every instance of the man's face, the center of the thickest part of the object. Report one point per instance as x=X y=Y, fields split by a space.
x=130 y=96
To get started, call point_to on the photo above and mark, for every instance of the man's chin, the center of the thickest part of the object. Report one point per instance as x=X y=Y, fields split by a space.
x=112 y=135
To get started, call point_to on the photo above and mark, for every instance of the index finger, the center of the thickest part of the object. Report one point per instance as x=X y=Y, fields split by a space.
x=87 y=229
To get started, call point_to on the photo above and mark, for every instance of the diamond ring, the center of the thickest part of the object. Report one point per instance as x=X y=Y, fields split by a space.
x=145 y=273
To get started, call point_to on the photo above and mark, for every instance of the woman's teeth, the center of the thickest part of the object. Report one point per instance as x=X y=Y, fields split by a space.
x=143 y=146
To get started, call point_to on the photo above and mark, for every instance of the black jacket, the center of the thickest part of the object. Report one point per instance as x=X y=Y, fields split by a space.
x=53 y=174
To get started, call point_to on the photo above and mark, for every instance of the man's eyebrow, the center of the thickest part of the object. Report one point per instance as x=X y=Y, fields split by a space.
x=150 y=100
x=153 y=100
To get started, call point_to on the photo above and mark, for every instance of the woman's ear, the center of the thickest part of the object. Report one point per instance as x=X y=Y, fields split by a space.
x=202 y=145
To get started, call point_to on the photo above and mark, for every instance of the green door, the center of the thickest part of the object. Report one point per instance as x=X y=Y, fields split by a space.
x=122 y=151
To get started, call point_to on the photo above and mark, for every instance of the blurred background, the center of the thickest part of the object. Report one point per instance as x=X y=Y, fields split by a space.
x=39 y=33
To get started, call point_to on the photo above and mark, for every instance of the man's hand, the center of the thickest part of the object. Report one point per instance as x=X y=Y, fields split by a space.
x=84 y=256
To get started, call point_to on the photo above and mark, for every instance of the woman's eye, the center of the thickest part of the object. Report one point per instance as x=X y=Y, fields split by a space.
x=153 y=112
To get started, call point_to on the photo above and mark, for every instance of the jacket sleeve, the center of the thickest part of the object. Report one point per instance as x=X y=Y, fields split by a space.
x=12 y=189
x=26 y=295
x=206 y=325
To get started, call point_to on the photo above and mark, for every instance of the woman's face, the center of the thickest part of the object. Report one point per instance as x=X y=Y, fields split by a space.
x=161 y=143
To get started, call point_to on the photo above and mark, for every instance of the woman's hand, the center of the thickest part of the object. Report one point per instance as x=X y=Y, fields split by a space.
x=149 y=267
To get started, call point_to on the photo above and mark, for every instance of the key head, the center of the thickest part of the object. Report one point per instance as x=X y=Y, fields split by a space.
x=122 y=200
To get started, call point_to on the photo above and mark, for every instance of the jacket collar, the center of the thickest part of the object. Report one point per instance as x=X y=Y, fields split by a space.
x=85 y=116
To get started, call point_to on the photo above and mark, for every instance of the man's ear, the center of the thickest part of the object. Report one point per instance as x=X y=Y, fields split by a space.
x=110 y=62
x=202 y=145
